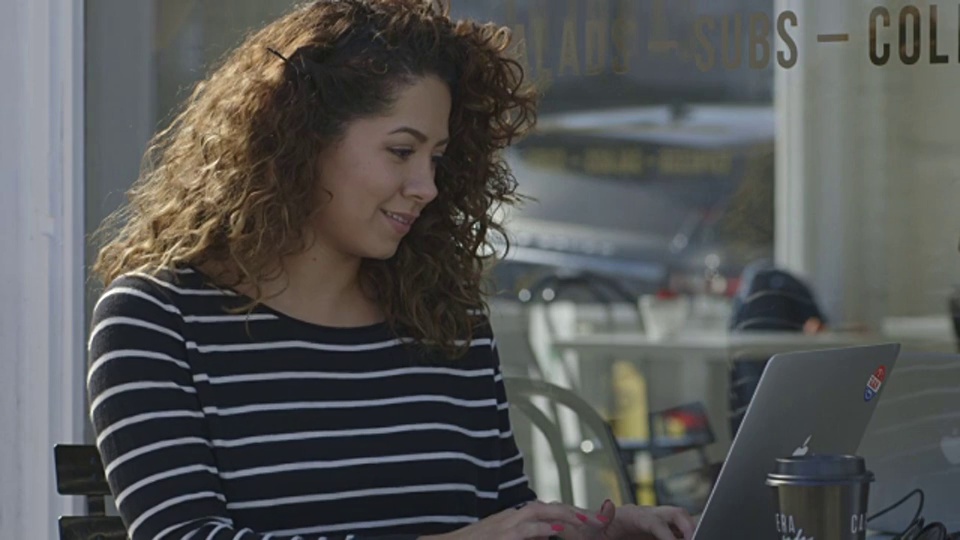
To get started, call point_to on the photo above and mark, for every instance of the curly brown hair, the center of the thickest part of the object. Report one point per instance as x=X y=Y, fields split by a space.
x=231 y=182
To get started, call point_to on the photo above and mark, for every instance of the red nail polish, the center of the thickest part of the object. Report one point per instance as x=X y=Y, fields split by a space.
x=582 y=517
x=557 y=528
x=602 y=518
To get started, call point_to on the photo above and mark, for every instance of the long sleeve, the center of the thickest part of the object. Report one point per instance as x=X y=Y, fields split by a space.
x=514 y=486
x=150 y=427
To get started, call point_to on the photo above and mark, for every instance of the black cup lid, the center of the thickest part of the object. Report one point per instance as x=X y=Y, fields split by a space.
x=819 y=469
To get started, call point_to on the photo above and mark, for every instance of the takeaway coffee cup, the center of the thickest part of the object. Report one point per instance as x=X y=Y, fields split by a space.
x=821 y=497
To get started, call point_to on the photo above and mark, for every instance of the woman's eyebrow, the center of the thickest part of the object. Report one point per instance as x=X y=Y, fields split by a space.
x=417 y=134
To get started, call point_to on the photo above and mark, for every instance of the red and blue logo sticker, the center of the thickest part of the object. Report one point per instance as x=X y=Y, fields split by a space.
x=874 y=383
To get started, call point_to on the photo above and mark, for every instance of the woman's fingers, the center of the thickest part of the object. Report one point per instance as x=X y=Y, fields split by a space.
x=588 y=517
x=537 y=520
x=534 y=530
x=679 y=519
x=554 y=513
x=608 y=511
x=659 y=529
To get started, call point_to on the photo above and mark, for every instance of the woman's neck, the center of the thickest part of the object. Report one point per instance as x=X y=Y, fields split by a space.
x=320 y=288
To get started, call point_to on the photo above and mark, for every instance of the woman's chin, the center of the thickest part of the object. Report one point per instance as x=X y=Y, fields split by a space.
x=382 y=253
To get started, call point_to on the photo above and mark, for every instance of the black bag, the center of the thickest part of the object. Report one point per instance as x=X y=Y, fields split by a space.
x=773 y=299
x=768 y=299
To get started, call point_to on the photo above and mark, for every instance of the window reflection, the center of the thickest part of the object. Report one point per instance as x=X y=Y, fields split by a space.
x=658 y=160
x=679 y=142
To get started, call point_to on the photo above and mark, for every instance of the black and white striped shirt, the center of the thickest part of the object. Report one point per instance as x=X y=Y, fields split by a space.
x=216 y=426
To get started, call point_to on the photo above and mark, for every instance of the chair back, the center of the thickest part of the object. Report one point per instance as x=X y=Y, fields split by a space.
x=79 y=472
x=586 y=457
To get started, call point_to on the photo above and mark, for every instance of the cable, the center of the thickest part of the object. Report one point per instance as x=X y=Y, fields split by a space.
x=934 y=531
x=897 y=504
x=894 y=506
x=917 y=529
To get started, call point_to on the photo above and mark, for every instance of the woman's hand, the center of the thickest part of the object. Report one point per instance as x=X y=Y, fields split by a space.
x=650 y=523
x=536 y=520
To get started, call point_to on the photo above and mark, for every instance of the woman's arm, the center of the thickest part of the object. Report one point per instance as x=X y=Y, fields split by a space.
x=514 y=487
x=150 y=427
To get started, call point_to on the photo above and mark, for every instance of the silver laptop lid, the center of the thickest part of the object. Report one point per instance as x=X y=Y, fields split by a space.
x=806 y=402
x=913 y=441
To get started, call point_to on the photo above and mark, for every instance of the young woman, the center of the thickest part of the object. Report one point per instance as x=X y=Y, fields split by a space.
x=292 y=340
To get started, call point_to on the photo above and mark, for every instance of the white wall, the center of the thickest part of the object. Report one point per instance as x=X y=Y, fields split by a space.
x=41 y=343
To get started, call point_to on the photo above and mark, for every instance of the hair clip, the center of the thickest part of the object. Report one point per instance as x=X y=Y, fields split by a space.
x=302 y=73
x=278 y=55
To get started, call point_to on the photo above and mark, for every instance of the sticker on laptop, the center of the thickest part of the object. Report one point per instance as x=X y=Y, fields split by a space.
x=874 y=383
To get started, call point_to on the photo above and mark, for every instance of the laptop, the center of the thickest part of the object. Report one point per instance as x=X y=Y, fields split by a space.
x=913 y=442
x=806 y=402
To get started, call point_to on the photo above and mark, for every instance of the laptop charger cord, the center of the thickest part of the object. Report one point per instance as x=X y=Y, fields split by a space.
x=929 y=531
x=918 y=529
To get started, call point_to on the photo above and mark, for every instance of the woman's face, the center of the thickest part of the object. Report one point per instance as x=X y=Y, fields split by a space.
x=381 y=174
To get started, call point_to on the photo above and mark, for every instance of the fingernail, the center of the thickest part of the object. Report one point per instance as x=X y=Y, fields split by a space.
x=582 y=517
x=602 y=518
x=557 y=528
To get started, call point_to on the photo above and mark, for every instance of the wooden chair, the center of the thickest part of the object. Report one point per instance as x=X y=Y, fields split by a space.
x=79 y=471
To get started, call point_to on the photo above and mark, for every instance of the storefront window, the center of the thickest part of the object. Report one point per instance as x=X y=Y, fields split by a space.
x=681 y=146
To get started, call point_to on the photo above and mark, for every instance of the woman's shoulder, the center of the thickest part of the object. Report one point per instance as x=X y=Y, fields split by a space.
x=480 y=326
x=170 y=278
x=483 y=340
x=147 y=291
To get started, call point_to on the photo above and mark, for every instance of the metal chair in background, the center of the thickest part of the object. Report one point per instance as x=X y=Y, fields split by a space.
x=545 y=408
x=596 y=288
x=684 y=430
x=599 y=288
x=685 y=488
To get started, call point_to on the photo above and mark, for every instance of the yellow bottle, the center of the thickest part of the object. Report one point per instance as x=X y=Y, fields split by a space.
x=631 y=421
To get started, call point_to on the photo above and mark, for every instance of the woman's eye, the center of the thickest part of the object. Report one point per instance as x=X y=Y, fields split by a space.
x=437 y=160
x=402 y=153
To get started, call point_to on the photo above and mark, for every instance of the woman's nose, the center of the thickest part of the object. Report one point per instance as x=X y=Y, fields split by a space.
x=422 y=186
